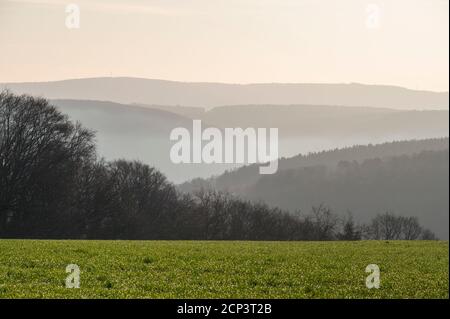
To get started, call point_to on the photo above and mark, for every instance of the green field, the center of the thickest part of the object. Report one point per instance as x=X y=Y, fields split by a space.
x=189 y=269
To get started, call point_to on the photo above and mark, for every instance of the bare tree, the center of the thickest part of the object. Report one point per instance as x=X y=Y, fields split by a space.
x=428 y=235
x=41 y=152
x=411 y=229
x=349 y=229
x=386 y=227
x=324 y=222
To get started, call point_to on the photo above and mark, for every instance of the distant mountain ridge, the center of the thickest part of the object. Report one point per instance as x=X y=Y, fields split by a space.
x=323 y=120
x=161 y=92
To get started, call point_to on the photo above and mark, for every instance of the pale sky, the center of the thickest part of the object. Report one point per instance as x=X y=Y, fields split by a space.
x=395 y=42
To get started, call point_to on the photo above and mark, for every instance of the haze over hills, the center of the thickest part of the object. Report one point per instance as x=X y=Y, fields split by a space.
x=409 y=177
x=305 y=119
x=161 y=92
x=340 y=122
x=134 y=132
x=140 y=131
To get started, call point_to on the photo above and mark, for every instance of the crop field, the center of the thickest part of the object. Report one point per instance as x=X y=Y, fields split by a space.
x=200 y=269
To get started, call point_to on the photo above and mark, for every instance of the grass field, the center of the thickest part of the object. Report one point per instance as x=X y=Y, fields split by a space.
x=187 y=269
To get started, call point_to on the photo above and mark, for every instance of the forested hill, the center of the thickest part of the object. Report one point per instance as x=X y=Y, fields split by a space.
x=240 y=178
x=415 y=185
x=396 y=177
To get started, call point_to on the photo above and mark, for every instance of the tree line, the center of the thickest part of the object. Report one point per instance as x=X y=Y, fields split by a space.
x=53 y=185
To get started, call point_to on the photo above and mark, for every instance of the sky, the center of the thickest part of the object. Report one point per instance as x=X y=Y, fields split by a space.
x=393 y=42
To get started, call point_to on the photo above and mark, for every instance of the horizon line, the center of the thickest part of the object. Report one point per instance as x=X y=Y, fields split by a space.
x=223 y=83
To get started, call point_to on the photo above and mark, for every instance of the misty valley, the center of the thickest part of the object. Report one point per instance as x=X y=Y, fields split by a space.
x=356 y=169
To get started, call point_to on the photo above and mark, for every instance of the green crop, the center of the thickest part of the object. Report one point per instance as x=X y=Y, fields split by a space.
x=236 y=269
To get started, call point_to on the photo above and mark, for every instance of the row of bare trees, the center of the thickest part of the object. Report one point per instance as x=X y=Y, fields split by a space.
x=52 y=185
x=388 y=226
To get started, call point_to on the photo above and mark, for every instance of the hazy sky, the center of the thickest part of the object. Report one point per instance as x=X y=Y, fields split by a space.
x=400 y=42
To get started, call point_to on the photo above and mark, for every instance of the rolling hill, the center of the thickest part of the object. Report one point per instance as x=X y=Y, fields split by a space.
x=136 y=132
x=149 y=91
x=409 y=178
